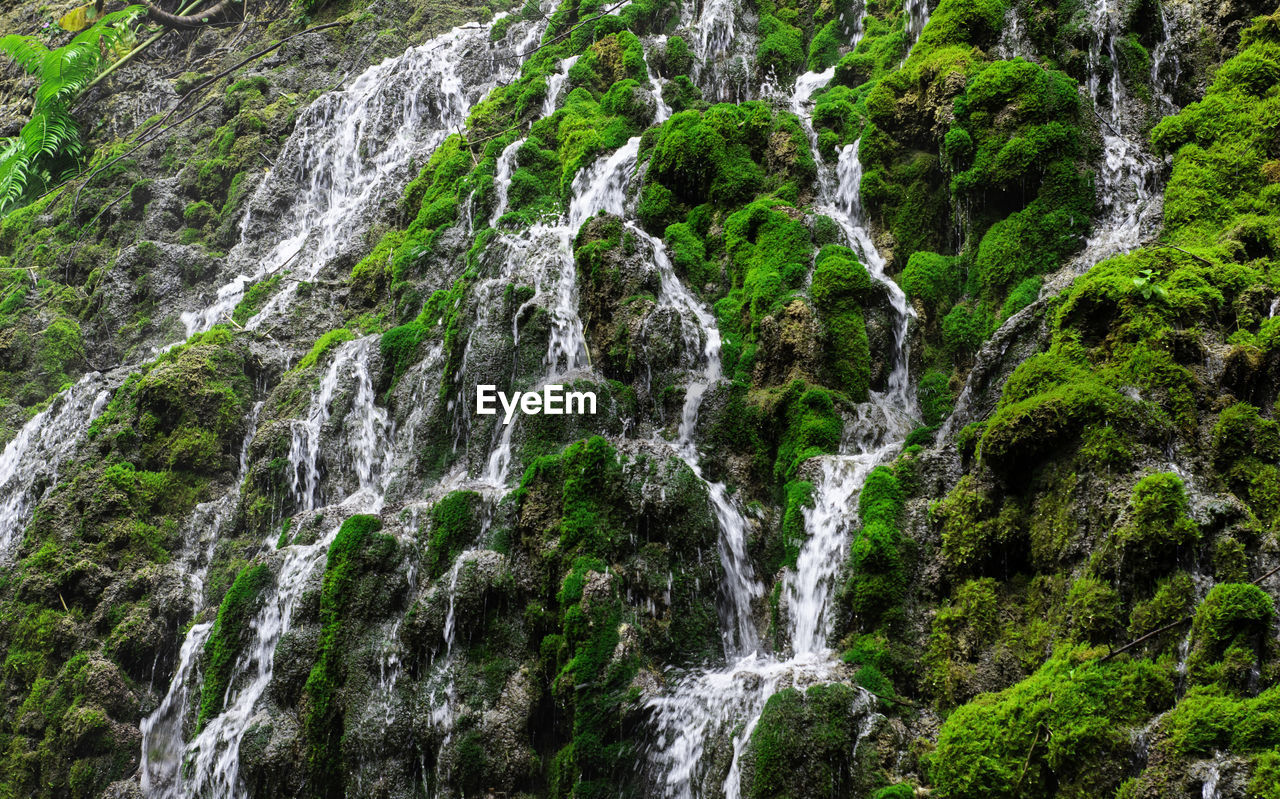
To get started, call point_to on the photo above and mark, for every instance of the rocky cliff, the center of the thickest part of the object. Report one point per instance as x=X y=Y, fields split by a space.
x=936 y=363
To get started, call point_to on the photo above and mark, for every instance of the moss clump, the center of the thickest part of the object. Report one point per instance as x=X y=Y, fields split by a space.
x=1159 y=527
x=1208 y=720
x=935 y=280
x=725 y=155
x=231 y=631
x=802 y=744
x=1060 y=732
x=351 y=575
x=1049 y=401
x=454 y=524
x=839 y=287
x=1245 y=448
x=979 y=532
x=1229 y=635
x=811 y=426
x=769 y=256
x=879 y=555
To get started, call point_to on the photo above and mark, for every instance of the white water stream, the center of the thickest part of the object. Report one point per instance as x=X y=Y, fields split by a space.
x=1129 y=185
x=32 y=457
x=705 y=705
x=351 y=151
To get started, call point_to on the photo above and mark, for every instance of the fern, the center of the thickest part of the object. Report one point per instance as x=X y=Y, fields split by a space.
x=51 y=138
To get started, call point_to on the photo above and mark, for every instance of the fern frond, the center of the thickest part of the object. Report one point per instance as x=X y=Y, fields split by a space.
x=26 y=50
x=51 y=138
x=66 y=71
x=15 y=172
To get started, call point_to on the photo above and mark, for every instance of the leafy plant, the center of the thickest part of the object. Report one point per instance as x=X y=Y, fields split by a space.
x=1147 y=286
x=49 y=144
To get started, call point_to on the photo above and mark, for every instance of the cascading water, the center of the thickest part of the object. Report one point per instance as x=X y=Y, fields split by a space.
x=502 y=180
x=917 y=13
x=31 y=459
x=351 y=151
x=210 y=763
x=555 y=83
x=162 y=741
x=1014 y=41
x=1129 y=187
x=705 y=705
x=308 y=453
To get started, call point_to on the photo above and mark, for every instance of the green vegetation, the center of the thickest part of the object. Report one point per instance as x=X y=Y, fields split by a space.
x=802 y=744
x=351 y=584
x=49 y=146
x=1060 y=732
x=230 y=633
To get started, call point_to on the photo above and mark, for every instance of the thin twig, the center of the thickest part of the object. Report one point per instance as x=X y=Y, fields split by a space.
x=1027 y=763
x=128 y=57
x=562 y=36
x=1179 y=249
x=75 y=245
x=1172 y=624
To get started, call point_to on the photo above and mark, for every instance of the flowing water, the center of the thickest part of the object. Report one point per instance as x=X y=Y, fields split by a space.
x=362 y=445
x=703 y=707
x=1129 y=185
x=917 y=13
x=351 y=152
x=30 y=460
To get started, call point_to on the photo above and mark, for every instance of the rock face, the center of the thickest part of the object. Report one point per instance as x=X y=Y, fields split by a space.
x=931 y=442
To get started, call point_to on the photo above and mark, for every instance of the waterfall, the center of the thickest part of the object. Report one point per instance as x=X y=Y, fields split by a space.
x=213 y=756
x=352 y=151
x=31 y=459
x=703 y=705
x=502 y=179
x=917 y=13
x=1129 y=189
x=555 y=83
x=1164 y=60
x=308 y=451
x=1014 y=41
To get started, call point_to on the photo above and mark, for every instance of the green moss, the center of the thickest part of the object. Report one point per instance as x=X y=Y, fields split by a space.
x=229 y=635
x=781 y=49
x=454 y=524
x=1229 y=634
x=1060 y=732
x=399 y=347
x=1048 y=402
x=879 y=556
x=933 y=279
x=323 y=346
x=824 y=47
x=811 y=426
x=1208 y=719
x=839 y=287
x=979 y=532
x=1159 y=528
x=935 y=397
x=358 y=551
x=962 y=627
x=254 y=298
x=1094 y=609
x=801 y=746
